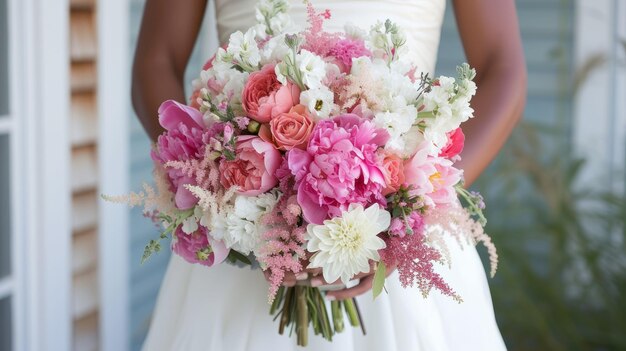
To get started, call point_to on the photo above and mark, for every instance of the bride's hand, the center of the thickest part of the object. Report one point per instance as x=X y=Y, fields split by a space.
x=290 y=278
x=366 y=281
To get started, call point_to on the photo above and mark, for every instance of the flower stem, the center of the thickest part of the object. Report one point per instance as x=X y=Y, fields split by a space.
x=302 y=315
x=337 y=312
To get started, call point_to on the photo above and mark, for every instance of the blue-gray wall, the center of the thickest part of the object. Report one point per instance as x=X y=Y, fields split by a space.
x=547 y=34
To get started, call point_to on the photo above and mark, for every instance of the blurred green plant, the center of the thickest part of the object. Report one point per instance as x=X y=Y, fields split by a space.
x=561 y=284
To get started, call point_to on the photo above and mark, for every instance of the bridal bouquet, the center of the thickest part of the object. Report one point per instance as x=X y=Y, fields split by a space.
x=310 y=149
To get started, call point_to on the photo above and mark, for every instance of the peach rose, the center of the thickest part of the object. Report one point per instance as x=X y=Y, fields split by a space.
x=254 y=167
x=393 y=170
x=289 y=130
x=264 y=97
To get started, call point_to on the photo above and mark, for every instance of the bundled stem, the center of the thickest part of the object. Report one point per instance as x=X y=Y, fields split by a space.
x=302 y=305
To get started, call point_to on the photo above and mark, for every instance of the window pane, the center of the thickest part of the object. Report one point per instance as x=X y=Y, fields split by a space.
x=5 y=208
x=4 y=59
x=6 y=328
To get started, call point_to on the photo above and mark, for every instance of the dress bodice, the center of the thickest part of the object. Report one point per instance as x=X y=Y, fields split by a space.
x=420 y=19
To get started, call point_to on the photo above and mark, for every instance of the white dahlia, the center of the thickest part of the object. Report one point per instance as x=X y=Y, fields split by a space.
x=344 y=245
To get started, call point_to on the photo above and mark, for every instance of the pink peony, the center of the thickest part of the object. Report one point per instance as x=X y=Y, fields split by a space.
x=456 y=141
x=254 y=167
x=185 y=139
x=289 y=130
x=443 y=182
x=198 y=247
x=345 y=49
x=417 y=171
x=432 y=177
x=339 y=167
x=393 y=169
x=264 y=97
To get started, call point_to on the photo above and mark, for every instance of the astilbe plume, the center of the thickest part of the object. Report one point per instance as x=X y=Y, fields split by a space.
x=283 y=241
x=204 y=171
x=154 y=201
x=316 y=40
x=415 y=259
x=458 y=222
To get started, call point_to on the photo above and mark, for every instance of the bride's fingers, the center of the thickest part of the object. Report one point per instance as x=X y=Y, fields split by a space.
x=364 y=286
x=290 y=278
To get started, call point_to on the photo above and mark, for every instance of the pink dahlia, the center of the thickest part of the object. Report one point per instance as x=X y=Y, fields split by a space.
x=339 y=167
x=184 y=139
x=198 y=247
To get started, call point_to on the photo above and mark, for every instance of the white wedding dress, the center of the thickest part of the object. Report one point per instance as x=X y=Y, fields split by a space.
x=225 y=307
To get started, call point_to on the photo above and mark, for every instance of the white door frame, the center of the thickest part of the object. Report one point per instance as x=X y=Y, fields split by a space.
x=599 y=119
x=113 y=164
x=43 y=204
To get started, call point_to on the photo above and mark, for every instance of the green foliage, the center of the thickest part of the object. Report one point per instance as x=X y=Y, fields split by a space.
x=561 y=284
x=379 y=279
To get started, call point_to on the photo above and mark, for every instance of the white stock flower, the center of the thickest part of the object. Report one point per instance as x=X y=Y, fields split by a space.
x=354 y=32
x=274 y=50
x=344 y=245
x=312 y=68
x=243 y=48
x=241 y=228
x=319 y=101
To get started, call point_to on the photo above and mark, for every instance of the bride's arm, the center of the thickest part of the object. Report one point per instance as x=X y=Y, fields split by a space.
x=168 y=33
x=490 y=34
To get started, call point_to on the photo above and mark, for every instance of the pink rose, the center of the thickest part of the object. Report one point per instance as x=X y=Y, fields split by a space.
x=198 y=247
x=254 y=167
x=393 y=170
x=264 y=97
x=339 y=167
x=456 y=141
x=184 y=139
x=289 y=130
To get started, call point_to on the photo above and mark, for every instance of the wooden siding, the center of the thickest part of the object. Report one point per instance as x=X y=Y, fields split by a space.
x=84 y=174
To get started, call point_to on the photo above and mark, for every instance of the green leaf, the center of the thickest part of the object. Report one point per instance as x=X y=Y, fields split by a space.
x=235 y=256
x=379 y=278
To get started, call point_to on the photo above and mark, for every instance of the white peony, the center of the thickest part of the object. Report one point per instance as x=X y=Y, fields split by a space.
x=344 y=245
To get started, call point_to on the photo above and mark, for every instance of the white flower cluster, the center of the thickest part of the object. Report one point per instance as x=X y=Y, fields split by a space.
x=386 y=40
x=449 y=102
x=227 y=85
x=392 y=101
x=272 y=17
x=241 y=228
x=242 y=51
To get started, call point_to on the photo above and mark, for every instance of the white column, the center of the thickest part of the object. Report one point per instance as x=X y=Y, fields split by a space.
x=600 y=103
x=113 y=150
x=43 y=124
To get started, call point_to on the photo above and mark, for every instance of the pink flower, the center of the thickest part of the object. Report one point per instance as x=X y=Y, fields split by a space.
x=345 y=49
x=198 y=247
x=443 y=182
x=432 y=177
x=264 y=97
x=456 y=141
x=339 y=167
x=417 y=171
x=254 y=167
x=393 y=170
x=414 y=221
x=185 y=139
x=289 y=130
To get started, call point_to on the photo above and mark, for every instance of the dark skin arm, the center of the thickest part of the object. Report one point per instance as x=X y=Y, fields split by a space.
x=167 y=37
x=490 y=34
x=489 y=31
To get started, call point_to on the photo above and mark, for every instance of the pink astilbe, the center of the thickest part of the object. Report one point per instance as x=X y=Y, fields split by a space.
x=283 y=242
x=458 y=222
x=315 y=39
x=415 y=263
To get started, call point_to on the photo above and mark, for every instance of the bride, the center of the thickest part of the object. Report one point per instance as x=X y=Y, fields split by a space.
x=224 y=307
